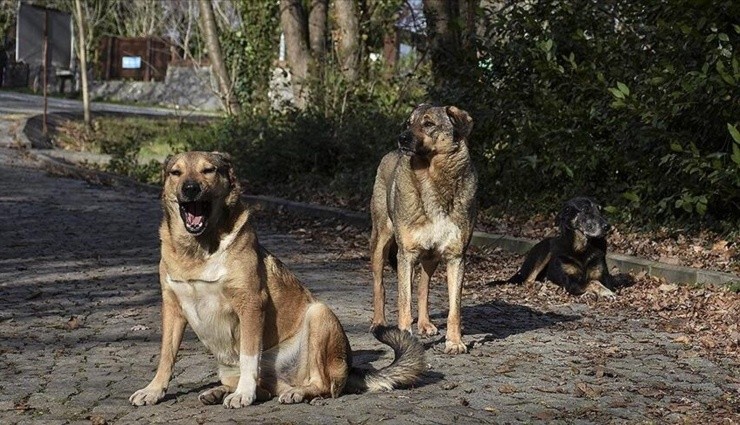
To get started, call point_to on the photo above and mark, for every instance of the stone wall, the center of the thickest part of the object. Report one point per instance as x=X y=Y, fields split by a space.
x=186 y=87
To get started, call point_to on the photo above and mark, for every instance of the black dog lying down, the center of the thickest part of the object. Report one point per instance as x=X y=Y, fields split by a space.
x=576 y=258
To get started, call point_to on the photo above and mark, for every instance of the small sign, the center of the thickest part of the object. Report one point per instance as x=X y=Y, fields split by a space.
x=131 y=62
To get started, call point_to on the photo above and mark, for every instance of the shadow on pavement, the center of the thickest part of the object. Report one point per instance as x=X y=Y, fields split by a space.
x=499 y=319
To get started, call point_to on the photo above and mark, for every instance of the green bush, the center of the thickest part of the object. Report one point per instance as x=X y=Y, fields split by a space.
x=330 y=150
x=629 y=102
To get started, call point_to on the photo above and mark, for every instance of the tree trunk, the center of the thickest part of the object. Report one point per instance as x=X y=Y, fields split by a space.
x=293 y=20
x=317 y=29
x=390 y=50
x=82 y=52
x=441 y=38
x=348 y=45
x=452 y=46
x=218 y=64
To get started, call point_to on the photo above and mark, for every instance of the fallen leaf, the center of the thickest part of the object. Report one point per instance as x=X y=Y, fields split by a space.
x=545 y=415
x=583 y=389
x=507 y=389
x=650 y=392
x=549 y=390
x=98 y=420
x=683 y=339
x=719 y=246
x=668 y=287
x=74 y=323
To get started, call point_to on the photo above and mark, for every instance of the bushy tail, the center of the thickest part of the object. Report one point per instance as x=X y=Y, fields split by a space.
x=408 y=364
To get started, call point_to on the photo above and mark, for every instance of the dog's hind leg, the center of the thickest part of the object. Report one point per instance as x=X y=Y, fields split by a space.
x=380 y=244
x=324 y=362
x=535 y=263
x=425 y=325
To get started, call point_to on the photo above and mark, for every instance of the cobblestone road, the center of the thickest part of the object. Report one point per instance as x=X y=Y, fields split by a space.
x=80 y=328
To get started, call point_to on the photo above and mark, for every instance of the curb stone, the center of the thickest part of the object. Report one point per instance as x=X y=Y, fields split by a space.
x=623 y=263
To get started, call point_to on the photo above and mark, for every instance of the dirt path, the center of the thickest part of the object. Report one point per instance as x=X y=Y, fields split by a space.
x=80 y=326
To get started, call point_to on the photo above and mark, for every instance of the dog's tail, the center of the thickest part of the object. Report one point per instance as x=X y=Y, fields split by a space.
x=408 y=364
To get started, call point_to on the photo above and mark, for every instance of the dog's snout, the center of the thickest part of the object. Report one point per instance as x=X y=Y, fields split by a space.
x=406 y=142
x=607 y=226
x=191 y=190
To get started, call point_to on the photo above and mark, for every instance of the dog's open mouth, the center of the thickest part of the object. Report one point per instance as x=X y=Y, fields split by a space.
x=195 y=216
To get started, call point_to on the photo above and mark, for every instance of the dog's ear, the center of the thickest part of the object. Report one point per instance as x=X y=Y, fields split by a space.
x=224 y=163
x=564 y=216
x=166 y=164
x=226 y=167
x=461 y=121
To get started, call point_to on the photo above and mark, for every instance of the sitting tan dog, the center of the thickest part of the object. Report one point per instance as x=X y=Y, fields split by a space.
x=423 y=211
x=268 y=334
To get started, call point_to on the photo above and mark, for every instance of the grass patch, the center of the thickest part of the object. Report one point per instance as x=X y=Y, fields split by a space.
x=137 y=145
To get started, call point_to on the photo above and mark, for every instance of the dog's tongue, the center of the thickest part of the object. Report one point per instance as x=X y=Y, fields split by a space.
x=194 y=213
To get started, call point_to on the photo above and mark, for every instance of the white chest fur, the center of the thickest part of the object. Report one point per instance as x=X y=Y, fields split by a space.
x=208 y=310
x=439 y=233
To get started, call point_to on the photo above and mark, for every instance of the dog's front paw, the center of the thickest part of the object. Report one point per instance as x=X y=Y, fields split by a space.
x=427 y=329
x=292 y=396
x=146 y=396
x=452 y=347
x=598 y=290
x=239 y=399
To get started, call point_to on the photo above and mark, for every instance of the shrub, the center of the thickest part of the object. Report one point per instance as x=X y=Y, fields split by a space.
x=629 y=102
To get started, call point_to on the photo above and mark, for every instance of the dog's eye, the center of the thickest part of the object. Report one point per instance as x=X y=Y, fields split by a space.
x=175 y=173
x=209 y=170
x=428 y=124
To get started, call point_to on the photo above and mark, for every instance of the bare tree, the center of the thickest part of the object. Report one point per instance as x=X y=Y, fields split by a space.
x=450 y=30
x=295 y=28
x=348 y=44
x=140 y=18
x=82 y=52
x=182 y=28
x=218 y=64
x=317 y=28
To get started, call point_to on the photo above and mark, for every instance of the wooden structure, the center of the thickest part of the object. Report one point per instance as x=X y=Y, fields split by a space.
x=134 y=58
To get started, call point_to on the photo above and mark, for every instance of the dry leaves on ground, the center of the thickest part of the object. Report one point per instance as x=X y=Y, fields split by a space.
x=703 y=318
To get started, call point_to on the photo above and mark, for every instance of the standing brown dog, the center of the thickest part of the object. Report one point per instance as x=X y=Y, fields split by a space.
x=268 y=333
x=423 y=206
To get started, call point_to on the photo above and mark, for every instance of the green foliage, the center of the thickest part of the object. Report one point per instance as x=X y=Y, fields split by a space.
x=330 y=150
x=136 y=145
x=7 y=18
x=631 y=102
x=125 y=161
x=250 y=50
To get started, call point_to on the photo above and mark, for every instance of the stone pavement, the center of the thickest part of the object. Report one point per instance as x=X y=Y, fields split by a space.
x=80 y=329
